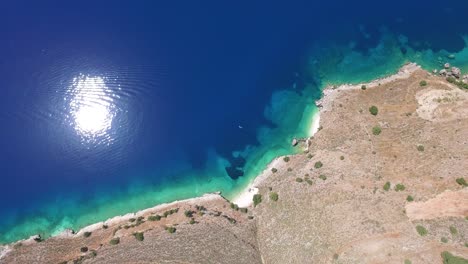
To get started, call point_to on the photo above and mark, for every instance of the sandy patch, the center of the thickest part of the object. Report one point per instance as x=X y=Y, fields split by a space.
x=448 y=203
x=442 y=105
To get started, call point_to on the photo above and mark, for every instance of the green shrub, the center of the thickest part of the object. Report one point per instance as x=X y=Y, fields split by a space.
x=323 y=177
x=443 y=240
x=407 y=261
x=154 y=218
x=376 y=130
x=453 y=230
x=422 y=83
x=318 y=165
x=386 y=186
x=257 y=199
x=274 y=196
x=87 y=234
x=139 y=236
x=462 y=182
x=341 y=157
x=309 y=156
x=363 y=87
x=114 y=241
x=399 y=187
x=309 y=182
x=421 y=230
x=84 y=249
x=286 y=159
x=420 y=148
x=451 y=79
x=409 y=198
x=171 y=229
x=299 y=180
x=373 y=110
x=448 y=258
x=274 y=170
x=234 y=206
x=188 y=213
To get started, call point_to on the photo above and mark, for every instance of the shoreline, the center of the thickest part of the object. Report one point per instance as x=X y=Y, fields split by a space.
x=244 y=197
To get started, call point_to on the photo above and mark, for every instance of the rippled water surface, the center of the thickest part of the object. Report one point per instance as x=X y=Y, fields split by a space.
x=112 y=107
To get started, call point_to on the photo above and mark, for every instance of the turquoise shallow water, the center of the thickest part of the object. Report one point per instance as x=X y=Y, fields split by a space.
x=290 y=112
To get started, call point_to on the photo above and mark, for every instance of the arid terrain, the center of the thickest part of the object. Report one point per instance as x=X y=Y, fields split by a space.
x=370 y=188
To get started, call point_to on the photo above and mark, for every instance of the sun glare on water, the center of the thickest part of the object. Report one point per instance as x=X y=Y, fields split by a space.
x=91 y=108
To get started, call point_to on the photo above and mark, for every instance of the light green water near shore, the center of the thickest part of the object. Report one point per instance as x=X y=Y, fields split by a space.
x=290 y=110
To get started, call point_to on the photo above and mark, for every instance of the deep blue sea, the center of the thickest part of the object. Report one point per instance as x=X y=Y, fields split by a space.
x=108 y=107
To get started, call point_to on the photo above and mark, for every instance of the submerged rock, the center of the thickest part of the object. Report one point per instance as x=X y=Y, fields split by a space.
x=294 y=142
x=456 y=72
x=451 y=56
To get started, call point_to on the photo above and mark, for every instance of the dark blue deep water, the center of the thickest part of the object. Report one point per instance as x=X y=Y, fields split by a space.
x=108 y=107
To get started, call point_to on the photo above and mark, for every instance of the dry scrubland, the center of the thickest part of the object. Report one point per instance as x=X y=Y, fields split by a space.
x=356 y=195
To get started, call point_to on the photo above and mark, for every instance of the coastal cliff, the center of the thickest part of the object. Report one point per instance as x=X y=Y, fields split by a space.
x=382 y=181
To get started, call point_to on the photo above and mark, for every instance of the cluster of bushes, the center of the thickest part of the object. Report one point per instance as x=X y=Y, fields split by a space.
x=169 y=212
x=460 y=84
x=257 y=199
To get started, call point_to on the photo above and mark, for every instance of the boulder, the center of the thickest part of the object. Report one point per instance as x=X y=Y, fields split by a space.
x=447 y=65
x=294 y=142
x=456 y=72
x=443 y=72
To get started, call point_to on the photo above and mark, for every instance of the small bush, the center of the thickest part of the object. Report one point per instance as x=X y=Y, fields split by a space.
x=171 y=229
x=323 y=177
x=274 y=196
x=341 y=157
x=448 y=258
x=290 y=169
x=376 y=130
x=443 y=240
x=154 y=218
x=309 y=182
x=299 y=180
x=286 y=159
x=274 y=170
x=409 y=198
x=422 y=231
x=407 y=261
x=318 y=165
x=453 y=230
x=462 y=182
x=373 y=110
x=87 y=234
x=422 y=83
x=309 y=156
x=188 y=213
x=420 y=148
x=139 y=236
x=115 y=241
x=399 y=187
x=84 y=249
x=386 y=186
x=257 y=199
x=244 y=210
x=363 y=87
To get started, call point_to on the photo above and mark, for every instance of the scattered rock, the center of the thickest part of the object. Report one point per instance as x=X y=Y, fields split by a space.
x=294 y=142
x=443 y=72
x=435 y=71
x=447 y=65
x=456 y=72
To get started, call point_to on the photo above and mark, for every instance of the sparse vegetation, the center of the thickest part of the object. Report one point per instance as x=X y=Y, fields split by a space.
x=399 y=187
x=420 y=148
x=323 y=177
x=257 y=199
x=460 y=84
x=453 y=230
x=462 y=182
x=448 y=258
x=299 y=180
x=274 y=196
x=363 y=87
x=171 y=229
x=409 y=198
x=318 y=165
x=139 y=236
x=286 y=159
x=422 y=83
x=154 y=218
x=87 y=234
x=386 y=186
x=422 y=231
x=376 y=130
x=373 y=110
x=114 y=241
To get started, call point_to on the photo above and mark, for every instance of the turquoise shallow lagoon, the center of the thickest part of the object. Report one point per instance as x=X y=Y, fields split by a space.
x=192 y=130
